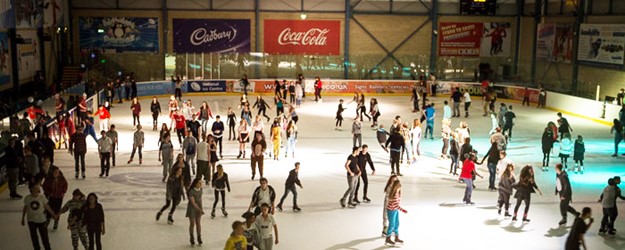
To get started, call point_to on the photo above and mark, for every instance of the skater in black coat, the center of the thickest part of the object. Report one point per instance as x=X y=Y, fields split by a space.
x=563 y=189
x=525 y=187
x=547 y=145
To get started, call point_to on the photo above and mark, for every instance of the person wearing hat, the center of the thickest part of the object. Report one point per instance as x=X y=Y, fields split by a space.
x=138 y=140
x=250 y=230
x=74 y=220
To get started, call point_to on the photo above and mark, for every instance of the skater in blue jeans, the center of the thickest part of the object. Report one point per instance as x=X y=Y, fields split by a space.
x=493 y=159
x=392 y=210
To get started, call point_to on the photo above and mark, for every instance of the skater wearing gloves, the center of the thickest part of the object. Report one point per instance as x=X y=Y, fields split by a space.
x=393 y=207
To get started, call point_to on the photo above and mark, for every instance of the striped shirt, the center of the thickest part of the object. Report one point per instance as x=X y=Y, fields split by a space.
x=393 y=203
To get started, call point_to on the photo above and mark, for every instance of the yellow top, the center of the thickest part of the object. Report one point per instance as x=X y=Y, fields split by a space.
x=236 y=243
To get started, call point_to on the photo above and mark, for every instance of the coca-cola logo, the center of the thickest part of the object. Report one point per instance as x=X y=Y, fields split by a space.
x=201 y=35
x=312 y=37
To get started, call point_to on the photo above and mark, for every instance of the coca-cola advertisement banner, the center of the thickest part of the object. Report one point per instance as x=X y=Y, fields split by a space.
x=302 y=37
x=211 y=35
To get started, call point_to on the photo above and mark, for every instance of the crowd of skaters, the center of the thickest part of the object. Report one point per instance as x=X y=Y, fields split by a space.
x=199 y=144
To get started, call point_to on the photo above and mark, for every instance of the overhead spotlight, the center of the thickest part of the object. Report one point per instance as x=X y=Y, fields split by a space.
x=303 y=16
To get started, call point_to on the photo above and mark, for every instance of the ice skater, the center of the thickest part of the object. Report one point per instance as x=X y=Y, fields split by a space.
x=243 y=137
x=576 y=236
x=339 y=116
x=135 y=107
x=220 y=183
x=524 y=189
x=547 y=146
x=608 y=203
x=565 y=127
x=353 y=173
x=505 y=189
x=155 y=107
x=138 y=140
x=454 y=154
x=468 y=171
x=195 y=211
x=578 y=154
x=232 y=122
x=357 y=132
x=415 y=134
x=363 y=158
x=617 y=131
x=262 y=106
x=174 y=192
x=563 y=190
x=397 y=143
x=387 y=190
x=393 y=207
x=289 y=186
x=566 y=148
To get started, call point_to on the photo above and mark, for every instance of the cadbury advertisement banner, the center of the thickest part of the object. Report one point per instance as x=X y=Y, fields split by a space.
x=211 y=35
x=302 y=37
x=206 y=86
x=460 y=39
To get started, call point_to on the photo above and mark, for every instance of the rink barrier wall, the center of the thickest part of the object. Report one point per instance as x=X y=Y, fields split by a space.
x=596 y=111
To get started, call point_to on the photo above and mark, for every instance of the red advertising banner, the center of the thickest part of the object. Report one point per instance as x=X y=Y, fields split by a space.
x=310 y=37
x=459 y=39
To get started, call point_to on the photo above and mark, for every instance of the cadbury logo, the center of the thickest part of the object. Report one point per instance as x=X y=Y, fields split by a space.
x=201 y=35
x=312 y=37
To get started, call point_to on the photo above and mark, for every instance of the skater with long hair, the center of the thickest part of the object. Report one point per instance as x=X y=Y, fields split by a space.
x=415 y=134
x=220 y=183
x=93 y=219
x=195 y=210
x=454 y=154
x=276 y=138
x=393 y=207
x=205 y=114
x=547 y=145
x=375 y=111
x=361 y=108
x=387 y=190
x=212 y=150
x=243 y=137
x=505 y=189
x=445 y=135
x=524 y=189
x=291 y=139
x=135 y=107
x=576 y=236
x=74 y=220
x=174 y=192
x=155 y=107
x=173 y=107
x=54 y=188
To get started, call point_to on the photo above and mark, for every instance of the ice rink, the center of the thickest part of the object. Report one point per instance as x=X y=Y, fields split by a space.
x=436 y=217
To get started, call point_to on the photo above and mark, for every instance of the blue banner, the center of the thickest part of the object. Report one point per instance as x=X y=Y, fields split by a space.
x=7 y=14
x=206 y=86
x=211 y=35
x=5 y=61
x=119 y=34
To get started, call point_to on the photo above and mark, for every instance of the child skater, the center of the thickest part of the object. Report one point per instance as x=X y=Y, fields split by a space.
x=382 y=135
x=392 y=210
x=387 y=189
x=339 y=116
x=505 y=188
x=566 y=146
x=578 y=156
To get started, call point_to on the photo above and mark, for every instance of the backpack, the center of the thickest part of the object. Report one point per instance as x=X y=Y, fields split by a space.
x=191 y=148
